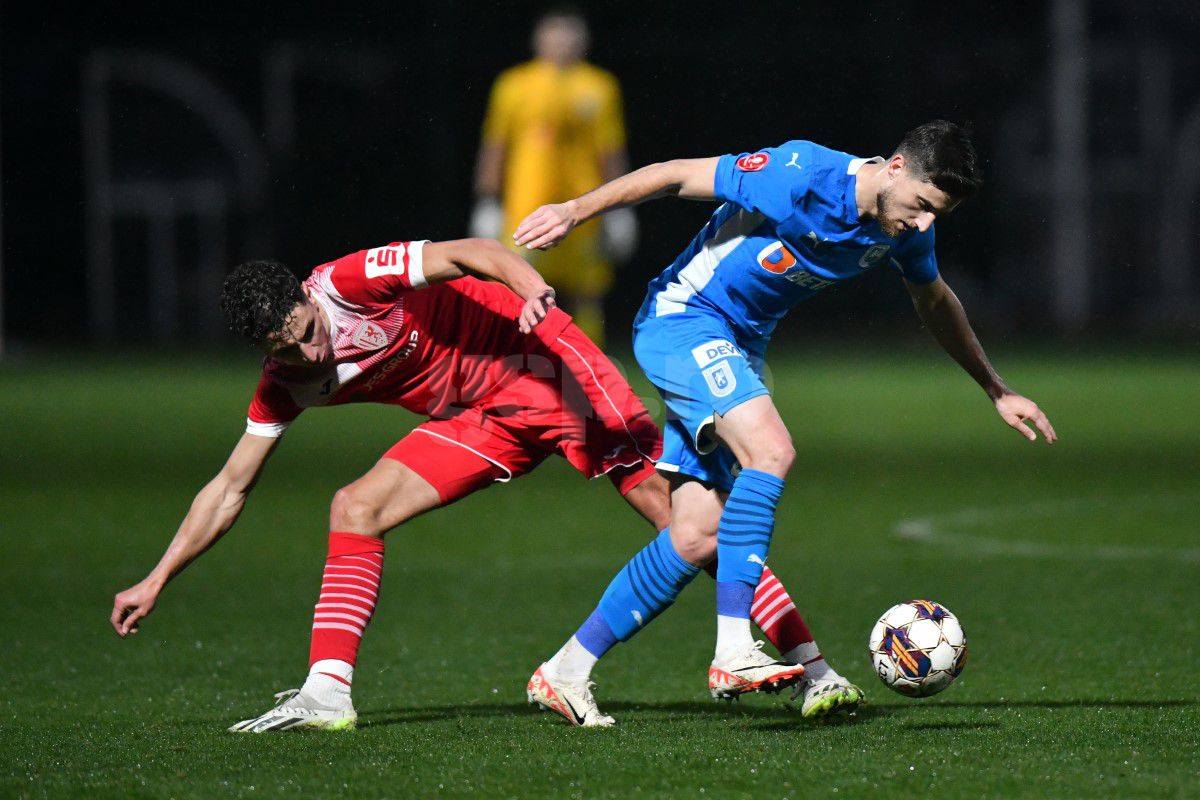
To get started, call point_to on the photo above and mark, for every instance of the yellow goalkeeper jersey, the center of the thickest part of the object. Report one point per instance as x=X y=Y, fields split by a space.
x=556 y=126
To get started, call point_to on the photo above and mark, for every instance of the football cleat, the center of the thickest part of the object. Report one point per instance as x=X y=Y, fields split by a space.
x=823 y=698
x=296 y=710
x=573 y=702
x=751 y=670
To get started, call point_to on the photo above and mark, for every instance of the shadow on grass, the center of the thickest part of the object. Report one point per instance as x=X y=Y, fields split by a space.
x=403 y=716
x=771 y=717
x=781 y=716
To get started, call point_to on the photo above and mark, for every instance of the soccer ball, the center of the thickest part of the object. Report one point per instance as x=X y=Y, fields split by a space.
x=918 y=648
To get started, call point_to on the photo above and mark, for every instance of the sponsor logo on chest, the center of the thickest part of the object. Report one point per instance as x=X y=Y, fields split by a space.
x=778 y=260
x=807 y=280
x=384 y=369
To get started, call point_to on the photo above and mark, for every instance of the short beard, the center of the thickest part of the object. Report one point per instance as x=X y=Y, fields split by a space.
x=883 y=201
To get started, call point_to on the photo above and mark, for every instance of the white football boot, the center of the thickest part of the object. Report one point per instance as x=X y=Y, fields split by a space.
x=751 y=670
x=824 y=697
x=574 y=702
x=296 y=710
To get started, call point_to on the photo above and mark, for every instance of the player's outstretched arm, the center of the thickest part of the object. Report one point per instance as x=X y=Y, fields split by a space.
x=487 y=258
x=213 y=512
x=940 y=310
x=487 y=217
x=689 y=178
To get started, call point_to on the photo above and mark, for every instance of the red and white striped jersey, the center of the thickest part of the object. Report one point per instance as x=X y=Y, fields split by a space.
x=431 y=349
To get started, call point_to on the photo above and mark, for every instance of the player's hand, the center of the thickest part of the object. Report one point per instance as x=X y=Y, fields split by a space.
x=545 y=227
x=131 y=605
x=535 y=309
x=1018 y=411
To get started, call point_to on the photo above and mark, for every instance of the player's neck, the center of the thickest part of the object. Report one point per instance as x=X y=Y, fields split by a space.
x=327 y=321
x=559 y=64
x=866 y=190
x=323 y=317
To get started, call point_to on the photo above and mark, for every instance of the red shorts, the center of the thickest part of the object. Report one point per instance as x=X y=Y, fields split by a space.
x=570 y=400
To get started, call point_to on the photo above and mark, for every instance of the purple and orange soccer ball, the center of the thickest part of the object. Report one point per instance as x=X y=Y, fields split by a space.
x=918 y=648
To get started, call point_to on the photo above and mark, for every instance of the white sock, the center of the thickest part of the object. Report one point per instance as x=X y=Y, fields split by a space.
x=815 y=666
x=573 y=663
x=733 y=636
x=324 y=686
x=803 y=653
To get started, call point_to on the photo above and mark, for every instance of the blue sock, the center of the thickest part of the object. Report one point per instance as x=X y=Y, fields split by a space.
x=595 y=635
x=744 y=538
x=734 y=599
x=642 y=589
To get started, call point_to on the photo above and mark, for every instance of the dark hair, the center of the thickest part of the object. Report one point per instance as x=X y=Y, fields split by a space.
x=258 y=298
x=941 y=152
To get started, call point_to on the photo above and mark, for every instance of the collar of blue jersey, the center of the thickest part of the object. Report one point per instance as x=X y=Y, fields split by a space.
x=850 y=204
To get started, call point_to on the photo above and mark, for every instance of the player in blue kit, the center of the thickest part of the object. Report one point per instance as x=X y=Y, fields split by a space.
x=795 y=219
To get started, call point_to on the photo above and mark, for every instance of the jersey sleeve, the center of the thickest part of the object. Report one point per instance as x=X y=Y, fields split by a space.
x=497 y=125
x=915 y=259
x=379 y=275
x=272 y=410
x=610 y=121
x=767 y=181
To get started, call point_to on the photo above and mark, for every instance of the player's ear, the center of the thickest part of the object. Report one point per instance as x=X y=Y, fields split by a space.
x=895 y=165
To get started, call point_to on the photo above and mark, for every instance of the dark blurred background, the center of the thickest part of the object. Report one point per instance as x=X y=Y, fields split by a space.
x=146 y=149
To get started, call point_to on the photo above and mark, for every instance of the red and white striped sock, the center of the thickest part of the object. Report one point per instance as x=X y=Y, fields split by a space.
x=775 y=614
x=349 y=590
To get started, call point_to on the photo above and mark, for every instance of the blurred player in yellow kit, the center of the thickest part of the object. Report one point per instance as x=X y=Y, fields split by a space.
x=554 y=130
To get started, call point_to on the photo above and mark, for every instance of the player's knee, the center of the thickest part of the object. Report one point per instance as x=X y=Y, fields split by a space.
x=352 y=512
x=772 y=456
x=695 y=544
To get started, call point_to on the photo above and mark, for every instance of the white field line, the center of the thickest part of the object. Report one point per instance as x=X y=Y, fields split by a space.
x=953 y=529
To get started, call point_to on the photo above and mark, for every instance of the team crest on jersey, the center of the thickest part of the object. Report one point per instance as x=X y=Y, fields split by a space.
x=385 y=369
x=369 y=336
x=720 y=379
x=587 y=107
x=754 y=162
x=875 y=253
x=776 y=258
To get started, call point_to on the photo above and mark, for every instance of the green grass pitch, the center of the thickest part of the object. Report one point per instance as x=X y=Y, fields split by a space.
x=1075 y=570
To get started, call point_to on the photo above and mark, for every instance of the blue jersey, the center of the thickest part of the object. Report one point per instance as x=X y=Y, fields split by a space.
x=788 y=228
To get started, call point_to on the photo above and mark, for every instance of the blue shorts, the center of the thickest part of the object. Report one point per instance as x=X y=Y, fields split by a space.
x=701 y=370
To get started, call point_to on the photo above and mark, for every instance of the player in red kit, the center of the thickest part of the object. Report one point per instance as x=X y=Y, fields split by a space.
x=505 y=380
